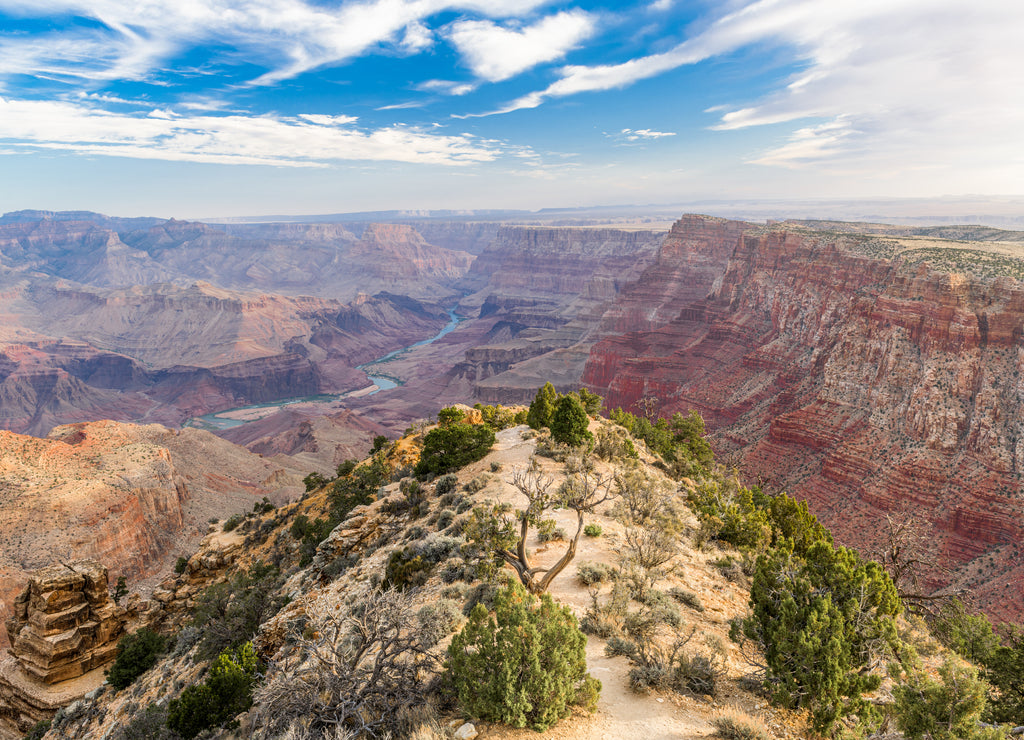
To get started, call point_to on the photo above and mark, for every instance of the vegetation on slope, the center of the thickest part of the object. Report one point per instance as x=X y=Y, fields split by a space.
x=344 y=616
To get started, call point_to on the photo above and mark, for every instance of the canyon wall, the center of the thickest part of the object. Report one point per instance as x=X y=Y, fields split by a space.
x=861 y=383
x=133 y=497
x=541 y=293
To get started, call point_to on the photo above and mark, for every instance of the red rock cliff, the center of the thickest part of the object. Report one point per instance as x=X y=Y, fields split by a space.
x=858 y=383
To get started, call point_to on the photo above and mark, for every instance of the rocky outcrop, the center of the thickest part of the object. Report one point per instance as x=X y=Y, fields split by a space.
x=132 y=496
x=65 y=623
x=862 y=384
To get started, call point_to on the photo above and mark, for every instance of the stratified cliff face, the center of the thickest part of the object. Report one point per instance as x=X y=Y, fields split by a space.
x=862 y=384
x=293 y=259
x=689 y=260
x=539 y=293
x=131 y=496
x=560 y=264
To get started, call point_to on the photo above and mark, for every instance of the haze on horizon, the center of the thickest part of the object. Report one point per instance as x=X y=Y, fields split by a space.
x=221 y=108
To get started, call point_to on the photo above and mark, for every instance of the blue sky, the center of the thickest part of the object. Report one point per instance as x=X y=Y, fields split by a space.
x=204 y=108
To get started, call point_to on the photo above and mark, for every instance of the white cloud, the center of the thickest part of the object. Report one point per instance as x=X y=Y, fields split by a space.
x=641 y=134
x=448 y=87
x=897 y=84
x=289 y=36
x=495 y=53
x=417 y=38
x=305 y=141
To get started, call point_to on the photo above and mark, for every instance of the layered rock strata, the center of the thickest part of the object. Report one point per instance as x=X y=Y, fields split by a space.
x=863 y=384
x=134 y=496
x=65 y=623
x=541 y=292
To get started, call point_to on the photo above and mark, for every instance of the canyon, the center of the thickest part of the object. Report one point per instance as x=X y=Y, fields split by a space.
x=870 y=370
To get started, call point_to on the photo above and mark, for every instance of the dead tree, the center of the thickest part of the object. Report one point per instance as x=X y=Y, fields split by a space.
x=906 y=556
x=502 y=534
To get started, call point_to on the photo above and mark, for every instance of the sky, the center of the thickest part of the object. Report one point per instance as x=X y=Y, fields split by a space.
x=215 y=108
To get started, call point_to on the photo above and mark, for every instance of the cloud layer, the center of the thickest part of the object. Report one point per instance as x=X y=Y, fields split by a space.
x=901 y=91
x=304 y=141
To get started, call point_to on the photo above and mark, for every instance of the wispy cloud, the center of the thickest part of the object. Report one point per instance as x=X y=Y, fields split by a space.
x=303 y=141
x=447 y=87
x=630 y=135
x=288 y=36
x=496 y=53
x=910 y=80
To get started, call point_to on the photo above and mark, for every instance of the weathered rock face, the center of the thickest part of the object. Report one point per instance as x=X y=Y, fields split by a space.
x=64 y=622
x=133 y=496
x=539 y=293
x=859 y=383
x=560 y=264
x=689 y=260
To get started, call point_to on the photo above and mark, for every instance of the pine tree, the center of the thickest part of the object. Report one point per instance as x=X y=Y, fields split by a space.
x=570 y=421
x=543 y=407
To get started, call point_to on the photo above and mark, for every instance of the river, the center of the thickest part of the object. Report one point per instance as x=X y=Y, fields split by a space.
x=243 y=414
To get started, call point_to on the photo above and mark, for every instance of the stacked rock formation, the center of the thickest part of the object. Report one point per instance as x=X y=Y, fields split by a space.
x=65 y=623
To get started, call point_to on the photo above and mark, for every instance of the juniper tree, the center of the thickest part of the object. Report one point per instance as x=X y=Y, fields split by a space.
x=824 y=621
x=525 y=666
x=570 y=421
x=543 y=407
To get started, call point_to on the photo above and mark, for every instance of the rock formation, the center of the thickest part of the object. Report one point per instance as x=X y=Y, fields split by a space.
x=134 y=496
x=65 y=623
x=860 y=382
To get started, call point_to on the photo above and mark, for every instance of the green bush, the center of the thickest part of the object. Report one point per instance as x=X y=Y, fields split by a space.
x=732 y=513
x=451 y=447
x=941 y=710
x=438 y=620
x=525 y=666
x=543 y=407
x=228 y=614
x=180 y=564
x=970 y=635
x=686 y=598
x=735 y=728
x=446 y=484
x=592 y=530
x=549 y=531
x=226 y=693
x=449 y=415
x=591 y=402
x=314 y=480
x=1004 y=669
x=150 y=724
x=406 y=569
x=569 y=422
x=310 y=533
x=500 y=417
x=232 y=523
x=39 y=729
x=589 y=573
x=822 y=620
x=136 y=654
x=679 y=441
